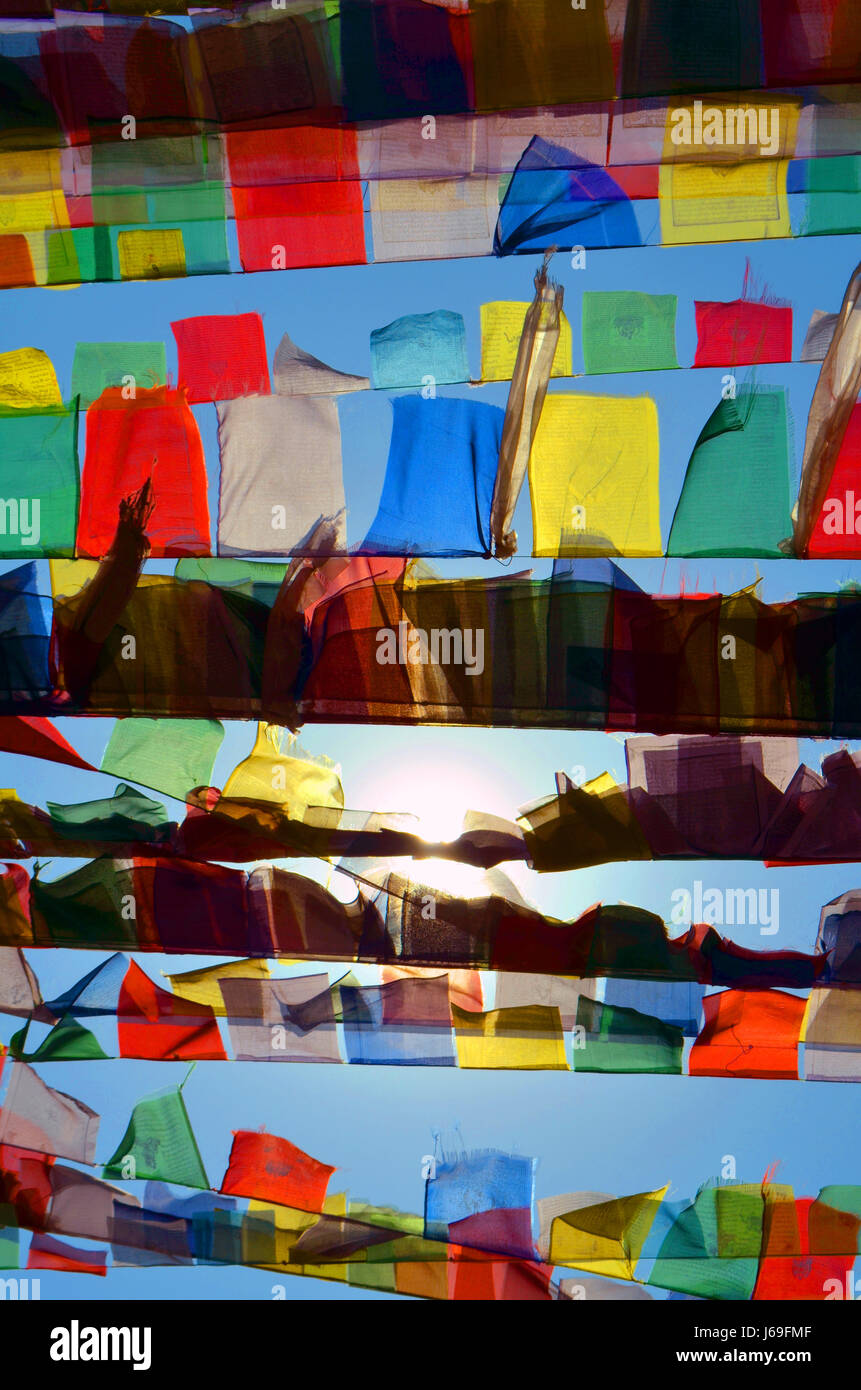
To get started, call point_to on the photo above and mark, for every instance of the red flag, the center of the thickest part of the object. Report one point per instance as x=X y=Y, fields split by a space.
x=47 y=1253
x=156 y=1025
x=35 y=737
x=274 y=1170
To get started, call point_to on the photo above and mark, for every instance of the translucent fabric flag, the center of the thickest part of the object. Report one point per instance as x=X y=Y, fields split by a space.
x=204 y=986
x=9 y=1240
x=296 y=372
x=407 y=59
x=499 y=1280
x=836 y=530
x=159 y=1143
x=470 y=1184
x=97 y=993
x=293 y=780
x=286 y=226
x=698 y=1255
x=593 y=477
x=420 y=346
x=222 y=356
x=834 y=398
x=742 y=331
x=34 y=1116
x=47 y=1253
x=85 y=907
x=557 y=198
x=97 y=366
x=16 y=262
x=155 y=1024
x=464 y=986
x=817 y=339
x=739 y=195
x=833 y=189
x=41 y=446
x=25 y=627
x=529 y=1038
x=439 y=479
x=564 y=1204
x=19 y=988
x=272 y=1169
x=678 y=1003
x=606 y=1238
x=35 y=737
x=281 y=1020
x=832 y=1036
x=668 y=47
x=839 y=939
x=626 y=331
x=752 y=1033
x=612 y=1039
x=156 y=253
x=280 y=474
x=523 y=57
x=502 y=323
x=404 y=1023
x=126 y=816
x=171 y=755
x=433 y=219
x=800 y=1257
x=736 y=494
x=152 y=436
x=513 y=990
x=28 y=380
x=603 y=1290
x=69 y=1041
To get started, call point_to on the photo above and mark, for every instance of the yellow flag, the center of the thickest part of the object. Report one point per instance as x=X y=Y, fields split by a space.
x=607 y=1238
x=28 y=379
x=593 y=477
x=295 y=783
x=155 y=254
x=201 y=986
x=525 y=1038
x=501 y=331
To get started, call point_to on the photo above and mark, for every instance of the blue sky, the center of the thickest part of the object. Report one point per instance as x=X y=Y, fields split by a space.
x=612 y=1133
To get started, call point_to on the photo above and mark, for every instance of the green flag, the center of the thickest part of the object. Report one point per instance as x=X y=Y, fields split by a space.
x=159 y=1144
